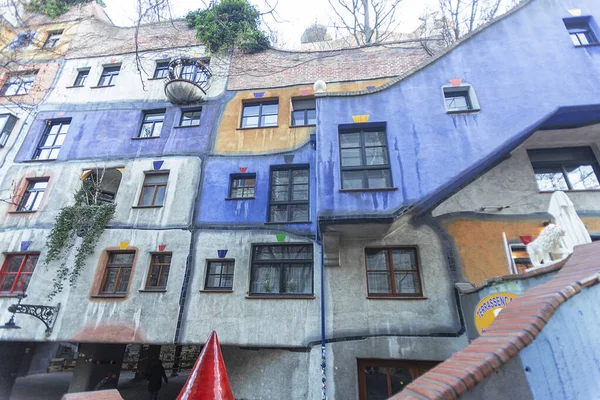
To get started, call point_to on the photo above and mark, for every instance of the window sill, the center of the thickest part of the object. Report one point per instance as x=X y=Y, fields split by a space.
x=474 y=110
x=185 y=126
x=108 y=296
x=281 y=297
x=101 y=87
x=303 y=126
x=156 y=79
x=144 y=138
x=288 y=223
x=570 y=191
x=45 y=160
x=257 y=127
x=588 y=45
x=14 y=95
x=391 y=189
x=216 y=291
x=72 y=87
x=152 y=290
x=146 y=206
x=10 y=295
x=22 y=212
x=240 y=198
x=396 y=298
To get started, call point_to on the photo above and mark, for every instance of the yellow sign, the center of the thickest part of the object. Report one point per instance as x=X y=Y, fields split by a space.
x=489 y=307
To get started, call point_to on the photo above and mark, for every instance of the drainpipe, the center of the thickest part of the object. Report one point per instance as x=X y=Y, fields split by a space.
x=323 y=355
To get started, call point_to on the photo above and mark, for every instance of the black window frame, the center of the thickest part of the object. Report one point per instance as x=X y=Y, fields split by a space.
x=49 y=124
x=50 y=39
x=29 y=191
x=581 y=26
x=391 y=271
x=230 y=262
x=254 y=103
x=146 y=114
x=244 y=176
x=20 y=81
x=111 y=72
x=81 y=77
x=283 y=263
x=289 y=202
x=161 y=70
x=6 y=128
x=304 y=112
x=454 y=93
x=560 y=159
x=362 y=129
x=192 y=111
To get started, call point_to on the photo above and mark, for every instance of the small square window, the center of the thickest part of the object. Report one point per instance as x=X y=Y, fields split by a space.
x=304 y=112
x=393 y=272
x=282 y=269
x=52 y=40
x=219 y=275
x=32 y=197
x=190 y=117
x=52 y=139
x=117 y=273
x=17 y=85
x=7 y=123
x=109 y=76
x=258 y=115
x=158 y=274
x=242 y=186
x=154 y=190
x=460 y=99
x=81 y=77
x=162 y=69
x=152 y=123
x=581 y=31
x=16 y=272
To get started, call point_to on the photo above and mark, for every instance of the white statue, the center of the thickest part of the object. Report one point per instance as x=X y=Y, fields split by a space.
x=549 y=241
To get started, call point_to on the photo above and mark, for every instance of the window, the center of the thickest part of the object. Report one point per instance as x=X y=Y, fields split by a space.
x=158 y=274
x=23 y=40
x=154 y=189
x=580 y=31
x=282 y=269
x=32 y=197
x=16 y=272
x=81 y=77
x=7 y=123
x=52 y=140
x=256 y=115
x=161 y=70
x=393 y=272
x=520 y=258
x=196 y=72
x=242 y=186
x=380 y=379
x=289 y=198
x=190 y=117
x=117 y=273
x=457 y=100
x=105 y=184
x=152 y=123
x=568 y=168
x=17 y=85
x=304 y=112
x=52 y=40
x=219 y=275
x=364 y=159
x=109 y=76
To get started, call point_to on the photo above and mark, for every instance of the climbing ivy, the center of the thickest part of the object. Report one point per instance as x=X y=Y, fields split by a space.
x=228 y=24
x=85 y=220
x=54 y=8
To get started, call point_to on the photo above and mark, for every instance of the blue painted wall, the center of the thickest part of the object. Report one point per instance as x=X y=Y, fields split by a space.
x=520 y=77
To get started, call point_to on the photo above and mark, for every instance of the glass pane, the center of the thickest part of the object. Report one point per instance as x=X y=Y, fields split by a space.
x=457 y=103
x=379 y=178
x=280 y=193
x=349 y=140
x=280 y=177
x=270 y=109
x=250 y=122
x=146 y=130
x=376 y=156
x=311 y=117
x=403 y=260
x=30 y=202
x=297 y=118
x=54 y=129
x=30 y=263
x=377 y=383
x=54 y=153
x=298 y=279
x=146 y=197
x=300 y=192
x=228 y=268
x=575 y=39
x=374 y=139
x=64 y=128
x=121 y=258
x=215 y=268
x=351 y=157
x=213 y=281
x=123 y=280
x=7 y=282
x=110 y=280
x=160 y=196
x=48 y=140
x=157 y=128
x=164 y=277
x=406 y=282
x=300 y=176
x=582 y=177
x=153 y=279
x=299 y=212
x=162 y=259
x=278 y=213
x=583 y=39
x=13 y=264
x=23 y=283
x=269 y=120
x=265 y=279
x=154 y=117
x=379 y=282
x=550 y=179
x=227 y=281
x=250 y=111
x=377 y=260
x=156 y=179
x=60 y=139
x=399 y=377
x=44 y=154
x=352 y=179
x=287 y=252
x=41 y=185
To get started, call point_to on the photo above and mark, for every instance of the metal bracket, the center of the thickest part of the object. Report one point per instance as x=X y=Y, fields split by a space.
x=46 y=314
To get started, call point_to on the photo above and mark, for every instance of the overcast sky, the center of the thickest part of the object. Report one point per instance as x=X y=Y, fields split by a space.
x=297 y=15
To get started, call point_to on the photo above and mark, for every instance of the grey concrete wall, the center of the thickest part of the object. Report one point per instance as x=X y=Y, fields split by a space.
x=509 y=382
x=513 y=181
x=562 y=363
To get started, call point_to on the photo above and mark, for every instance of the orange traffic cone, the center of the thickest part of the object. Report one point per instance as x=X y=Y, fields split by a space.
x=208 y=379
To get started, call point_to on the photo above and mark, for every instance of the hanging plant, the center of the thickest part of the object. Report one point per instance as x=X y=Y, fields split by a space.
x=86 y=220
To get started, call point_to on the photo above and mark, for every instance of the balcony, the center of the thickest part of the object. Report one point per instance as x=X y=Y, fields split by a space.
x=187 y=81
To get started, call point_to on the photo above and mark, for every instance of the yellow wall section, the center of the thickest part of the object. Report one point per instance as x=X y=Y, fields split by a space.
x=35 y=51
x=233 y=140
x=480 y=248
